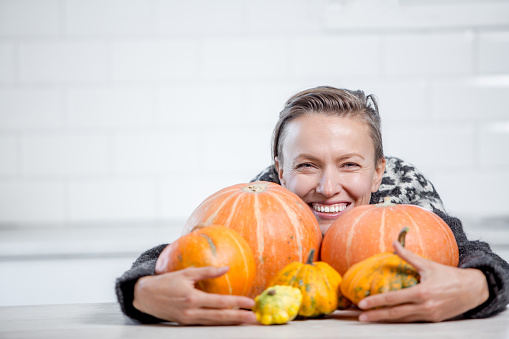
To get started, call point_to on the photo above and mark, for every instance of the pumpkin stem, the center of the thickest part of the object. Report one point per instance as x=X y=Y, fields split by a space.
x=402 y=235
x=271 y=292
x=310 y=257
x=387 y=201
x=255 y=187
x=198 y=227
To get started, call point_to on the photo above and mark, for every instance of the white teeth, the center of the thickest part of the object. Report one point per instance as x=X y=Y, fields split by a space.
x=329 y=209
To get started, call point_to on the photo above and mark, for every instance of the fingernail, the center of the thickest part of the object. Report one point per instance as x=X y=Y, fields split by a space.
x=363 y=317
x=362 y=304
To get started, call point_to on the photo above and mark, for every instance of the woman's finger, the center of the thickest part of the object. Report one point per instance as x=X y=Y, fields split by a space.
x=420 y=263
x=202 y=273
x=217 y=301
x=404 y=296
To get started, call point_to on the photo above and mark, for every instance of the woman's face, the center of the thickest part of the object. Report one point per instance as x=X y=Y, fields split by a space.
x=328 y=161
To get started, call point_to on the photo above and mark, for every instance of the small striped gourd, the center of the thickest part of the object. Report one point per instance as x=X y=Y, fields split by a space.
x=380 y=273
x=319 y=284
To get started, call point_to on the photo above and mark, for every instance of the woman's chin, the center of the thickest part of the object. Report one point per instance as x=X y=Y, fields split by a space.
x=326 y=220
x=325 y=225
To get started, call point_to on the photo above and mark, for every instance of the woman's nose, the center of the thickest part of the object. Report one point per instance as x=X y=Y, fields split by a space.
x=329 y=184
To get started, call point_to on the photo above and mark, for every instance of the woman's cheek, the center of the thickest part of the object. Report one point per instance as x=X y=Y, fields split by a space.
x=300 y=185
x=360 y=187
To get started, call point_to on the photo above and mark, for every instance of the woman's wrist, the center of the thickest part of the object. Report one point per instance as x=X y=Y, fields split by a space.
x=139 y=290
x=478 y=287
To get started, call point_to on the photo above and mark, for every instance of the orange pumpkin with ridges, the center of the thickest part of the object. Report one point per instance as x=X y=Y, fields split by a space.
x=214 y=245
x=368 y=230
x=278 y=226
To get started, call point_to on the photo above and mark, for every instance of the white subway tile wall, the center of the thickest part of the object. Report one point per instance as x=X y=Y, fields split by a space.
x=30 y=109
x=30 y=18
x=112 y=199
x=7 y=64
x=494 y=52
x=122 y=18
x=428 y=54
x=34 y=200
x=62 y=62
x=137 y=110
x=8 y=155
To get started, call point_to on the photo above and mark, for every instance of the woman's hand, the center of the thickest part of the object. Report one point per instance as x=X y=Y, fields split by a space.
x=443 y=293
x=173 y=297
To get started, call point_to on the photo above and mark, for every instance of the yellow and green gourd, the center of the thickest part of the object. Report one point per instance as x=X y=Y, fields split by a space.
x=277 y=305
x=380 y=273
x=319 y=284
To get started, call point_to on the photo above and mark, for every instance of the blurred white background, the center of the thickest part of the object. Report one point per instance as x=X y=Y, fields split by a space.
x=118 y=117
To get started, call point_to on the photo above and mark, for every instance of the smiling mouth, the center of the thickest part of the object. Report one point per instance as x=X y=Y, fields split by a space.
x=334 y=208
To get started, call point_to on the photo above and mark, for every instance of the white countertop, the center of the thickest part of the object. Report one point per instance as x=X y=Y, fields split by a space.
x=106 y=321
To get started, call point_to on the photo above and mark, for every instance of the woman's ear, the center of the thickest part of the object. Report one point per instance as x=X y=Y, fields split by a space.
x=279 y=169
x=379 y=173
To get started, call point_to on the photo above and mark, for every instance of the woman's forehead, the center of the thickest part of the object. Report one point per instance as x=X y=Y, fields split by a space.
x=320 y=133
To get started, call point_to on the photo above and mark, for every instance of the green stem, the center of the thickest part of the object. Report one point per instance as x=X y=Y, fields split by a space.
x=198 y=227
x=310 y=256
x=402 y=235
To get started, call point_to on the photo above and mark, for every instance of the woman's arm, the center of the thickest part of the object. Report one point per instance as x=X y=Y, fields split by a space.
x=173 y=297
x=150 y=298
x=143 y=266
x=444 y=292
x=478 y=288
x=477 y=254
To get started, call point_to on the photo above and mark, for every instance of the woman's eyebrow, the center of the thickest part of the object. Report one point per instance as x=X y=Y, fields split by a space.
x=351 y=155
x=311 y=157
x=305 y=156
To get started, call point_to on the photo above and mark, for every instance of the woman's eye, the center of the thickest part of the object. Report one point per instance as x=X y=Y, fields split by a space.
x=351 y=165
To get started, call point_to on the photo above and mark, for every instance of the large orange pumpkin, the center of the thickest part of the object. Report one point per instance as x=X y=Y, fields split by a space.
x=214 y=245
x=278 y=226
x=367 y=230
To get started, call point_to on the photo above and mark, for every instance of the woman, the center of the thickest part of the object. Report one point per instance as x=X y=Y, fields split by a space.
x=327 y=148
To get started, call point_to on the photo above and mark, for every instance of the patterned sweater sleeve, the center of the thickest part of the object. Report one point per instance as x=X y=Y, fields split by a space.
x=143 y=266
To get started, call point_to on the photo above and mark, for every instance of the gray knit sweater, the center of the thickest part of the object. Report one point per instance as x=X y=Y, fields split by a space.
x=404 y=184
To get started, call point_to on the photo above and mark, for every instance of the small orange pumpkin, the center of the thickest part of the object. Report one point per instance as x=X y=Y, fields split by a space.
x=380 y=273
x=370 y=229
x=213 y=245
